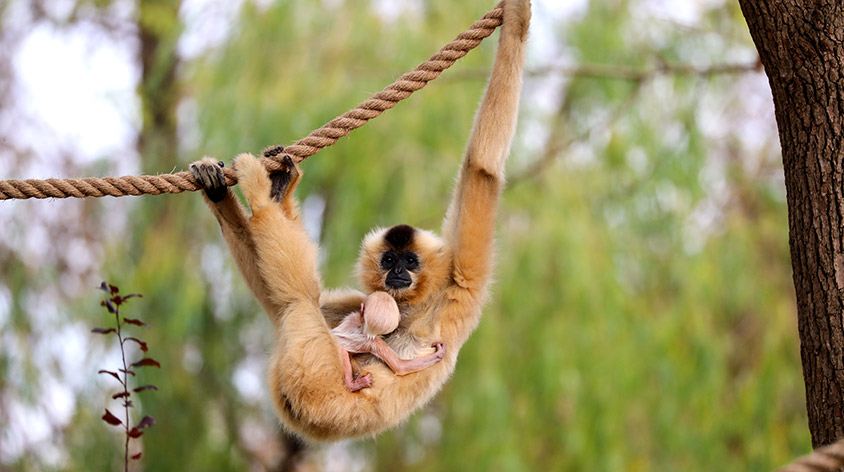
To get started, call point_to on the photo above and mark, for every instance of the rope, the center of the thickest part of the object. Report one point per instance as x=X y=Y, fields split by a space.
x=320 y=138
x=827 y=458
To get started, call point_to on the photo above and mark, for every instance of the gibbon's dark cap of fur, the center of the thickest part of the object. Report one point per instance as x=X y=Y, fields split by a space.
x=399 y=237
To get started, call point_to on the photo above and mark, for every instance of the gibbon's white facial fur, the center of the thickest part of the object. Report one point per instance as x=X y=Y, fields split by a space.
x=438 y=283
x=403 y=261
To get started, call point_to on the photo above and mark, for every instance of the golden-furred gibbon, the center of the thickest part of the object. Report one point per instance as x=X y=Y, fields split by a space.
x=439 y=283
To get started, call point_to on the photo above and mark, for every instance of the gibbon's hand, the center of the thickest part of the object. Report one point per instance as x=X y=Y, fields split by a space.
x=209 y=174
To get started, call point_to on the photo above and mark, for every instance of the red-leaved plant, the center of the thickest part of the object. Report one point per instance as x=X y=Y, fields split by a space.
x=112 y=303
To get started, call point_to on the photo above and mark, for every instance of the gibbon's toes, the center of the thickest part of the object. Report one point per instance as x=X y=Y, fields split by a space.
x=281 y=179
x=360 y=383
x=253 y=179
x=440 y=347
x=273 y=151
x=209 y=174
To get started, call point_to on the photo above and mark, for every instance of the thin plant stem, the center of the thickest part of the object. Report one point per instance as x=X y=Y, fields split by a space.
x=125 y=391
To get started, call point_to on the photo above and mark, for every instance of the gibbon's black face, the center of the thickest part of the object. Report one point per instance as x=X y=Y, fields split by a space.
x=398 y=261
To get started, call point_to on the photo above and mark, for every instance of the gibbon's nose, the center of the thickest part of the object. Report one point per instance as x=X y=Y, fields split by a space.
x=398 y=269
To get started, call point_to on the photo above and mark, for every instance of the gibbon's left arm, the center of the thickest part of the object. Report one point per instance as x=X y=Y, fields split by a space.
x=470 y=221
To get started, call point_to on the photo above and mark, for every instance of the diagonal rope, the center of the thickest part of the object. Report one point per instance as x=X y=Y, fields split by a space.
x=320 y=138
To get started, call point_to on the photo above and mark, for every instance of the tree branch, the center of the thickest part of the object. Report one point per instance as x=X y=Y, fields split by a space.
x=617 y=72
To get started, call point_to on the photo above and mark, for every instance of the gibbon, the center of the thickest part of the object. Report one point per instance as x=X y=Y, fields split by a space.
x=439 y=283
x=360 y=332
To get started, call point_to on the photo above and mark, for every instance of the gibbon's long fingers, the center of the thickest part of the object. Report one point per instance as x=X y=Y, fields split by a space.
x=470 y=220
x=209 y=173
x=253 y=179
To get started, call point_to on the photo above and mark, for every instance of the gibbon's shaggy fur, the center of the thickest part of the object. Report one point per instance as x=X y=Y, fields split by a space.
x=441 y=304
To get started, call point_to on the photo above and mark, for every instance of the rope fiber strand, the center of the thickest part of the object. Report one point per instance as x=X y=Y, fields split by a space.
x=320 y=138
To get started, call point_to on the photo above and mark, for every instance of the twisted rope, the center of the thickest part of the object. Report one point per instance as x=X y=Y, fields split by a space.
x=320 y=138
x=827 y=458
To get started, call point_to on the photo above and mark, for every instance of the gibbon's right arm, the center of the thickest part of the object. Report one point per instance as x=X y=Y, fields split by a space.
x=234 y=225
x=470 y=221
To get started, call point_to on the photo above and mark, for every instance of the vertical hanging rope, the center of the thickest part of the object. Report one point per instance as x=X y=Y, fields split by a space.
x=318 y=139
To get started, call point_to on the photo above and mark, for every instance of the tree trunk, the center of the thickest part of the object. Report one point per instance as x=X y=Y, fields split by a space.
x=801 y=44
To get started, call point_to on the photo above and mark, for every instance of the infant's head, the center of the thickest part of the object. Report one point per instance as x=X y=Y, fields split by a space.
x=380 y=314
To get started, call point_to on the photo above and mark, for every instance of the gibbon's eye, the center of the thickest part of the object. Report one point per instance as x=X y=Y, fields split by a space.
x=411 y=262
x=388 y=260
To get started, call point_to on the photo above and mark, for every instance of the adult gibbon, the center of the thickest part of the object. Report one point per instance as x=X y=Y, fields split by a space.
x=440 y=284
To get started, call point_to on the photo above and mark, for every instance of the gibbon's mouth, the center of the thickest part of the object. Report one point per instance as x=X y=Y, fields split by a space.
x=398 y=281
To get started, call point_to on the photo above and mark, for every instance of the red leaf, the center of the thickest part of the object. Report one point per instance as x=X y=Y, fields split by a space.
x=113 y=289
x=103 y=330
x=132 y=295
x=135 y=433
x=145 y=387
x=134 y=321
x=117 y=300
x=120 y=395
x=146 y=422
x=146 y=361
x=141 y=344
x=130 y=372
x=136 y=456
x=109 y=306
x=111 y=419
x=113 y=374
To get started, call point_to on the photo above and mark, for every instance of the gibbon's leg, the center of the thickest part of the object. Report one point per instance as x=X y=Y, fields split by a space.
x=232 y=219
x=406 y=366
x=470 y=221
x=352 y=384
x=286 y=257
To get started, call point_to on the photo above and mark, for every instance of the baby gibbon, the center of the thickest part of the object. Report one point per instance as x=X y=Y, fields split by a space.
x=360 y=332
x=440 y=284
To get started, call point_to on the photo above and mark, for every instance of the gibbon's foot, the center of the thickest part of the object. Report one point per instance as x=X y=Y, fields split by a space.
x=209 y=174
x=281 y=179
x=440 y=351
x=253 y=180
x=360 y=383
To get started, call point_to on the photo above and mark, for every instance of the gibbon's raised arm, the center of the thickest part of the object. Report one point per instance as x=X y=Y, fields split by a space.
x=470 y=221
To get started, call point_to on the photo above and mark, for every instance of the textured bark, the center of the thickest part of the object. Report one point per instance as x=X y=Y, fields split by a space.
x=801 y=44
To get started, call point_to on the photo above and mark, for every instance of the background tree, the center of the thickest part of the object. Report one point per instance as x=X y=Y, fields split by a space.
x=644 y=313
x=802 y=47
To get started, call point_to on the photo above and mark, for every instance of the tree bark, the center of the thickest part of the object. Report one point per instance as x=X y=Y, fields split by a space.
x=801 y=45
